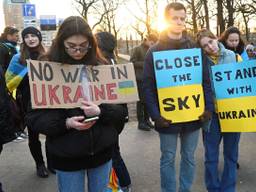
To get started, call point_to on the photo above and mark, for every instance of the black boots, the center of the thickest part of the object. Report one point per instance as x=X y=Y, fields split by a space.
x=143 y=126
x=42 y=171
x=148 y=123
x=143 y=117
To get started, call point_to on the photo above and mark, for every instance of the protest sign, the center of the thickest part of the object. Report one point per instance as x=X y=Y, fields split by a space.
x=56 y=85
x=235 y=91
x=179 y=84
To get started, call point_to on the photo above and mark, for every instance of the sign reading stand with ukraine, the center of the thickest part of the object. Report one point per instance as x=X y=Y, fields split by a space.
x=179 y=84
x=235 y=90
x=56 y=85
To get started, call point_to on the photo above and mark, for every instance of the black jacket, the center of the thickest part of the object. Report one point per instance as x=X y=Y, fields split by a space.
x=7 y=128
x=149 y=87
x=23 y=90
x=137 y=58
x=70 y=149
x=7 y=50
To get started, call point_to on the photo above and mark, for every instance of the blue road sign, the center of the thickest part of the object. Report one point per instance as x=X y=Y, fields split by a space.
x=29 y=10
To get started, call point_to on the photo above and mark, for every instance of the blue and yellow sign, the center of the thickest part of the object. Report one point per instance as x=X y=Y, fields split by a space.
x=179 y=84
x=235 y=91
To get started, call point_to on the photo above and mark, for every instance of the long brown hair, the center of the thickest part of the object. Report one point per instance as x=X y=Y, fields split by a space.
x=74 y=25
x=8 y=31
x=25 y=52
x=224 y=37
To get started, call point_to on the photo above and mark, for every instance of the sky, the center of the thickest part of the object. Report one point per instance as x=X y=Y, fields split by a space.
x=65 y=8
x=47 y=7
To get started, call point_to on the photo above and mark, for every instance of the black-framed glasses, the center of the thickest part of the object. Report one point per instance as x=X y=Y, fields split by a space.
x=73 y=50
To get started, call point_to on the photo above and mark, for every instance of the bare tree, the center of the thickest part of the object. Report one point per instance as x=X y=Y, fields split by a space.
x=247 y=10
x=84 y=6
x=106 y=10
x=252 y=6
x=194 y=8
x=206 y=12
x=140 y=31
x=220 y=17
x=230 y=7
x=148 y=8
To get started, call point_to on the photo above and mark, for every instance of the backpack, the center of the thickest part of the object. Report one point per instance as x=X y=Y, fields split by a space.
x=16 y=113
x=7 y=122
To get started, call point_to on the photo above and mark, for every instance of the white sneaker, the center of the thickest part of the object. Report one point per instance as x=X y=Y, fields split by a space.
x=24 y=135
x=19 y=139
x=126 y=189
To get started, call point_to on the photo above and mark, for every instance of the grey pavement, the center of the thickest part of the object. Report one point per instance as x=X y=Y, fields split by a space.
x=140 y=150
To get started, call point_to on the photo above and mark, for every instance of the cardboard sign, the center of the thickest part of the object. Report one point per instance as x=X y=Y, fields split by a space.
x=56 y=85
x=235 y=90
x=179 y=84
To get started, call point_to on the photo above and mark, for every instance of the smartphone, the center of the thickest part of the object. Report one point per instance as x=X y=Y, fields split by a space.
x=91 y=119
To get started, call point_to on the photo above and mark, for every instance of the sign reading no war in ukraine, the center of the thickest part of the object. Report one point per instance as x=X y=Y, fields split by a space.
x=179 y=84
x=56 y=85
x=235 y=90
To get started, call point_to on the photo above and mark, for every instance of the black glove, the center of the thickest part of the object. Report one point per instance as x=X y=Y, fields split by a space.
x=205 y=116
x=161 y=122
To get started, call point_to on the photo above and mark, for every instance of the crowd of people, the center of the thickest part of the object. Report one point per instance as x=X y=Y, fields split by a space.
x=76 y=149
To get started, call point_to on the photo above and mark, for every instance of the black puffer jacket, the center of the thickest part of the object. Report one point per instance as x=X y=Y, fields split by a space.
x=72 y=149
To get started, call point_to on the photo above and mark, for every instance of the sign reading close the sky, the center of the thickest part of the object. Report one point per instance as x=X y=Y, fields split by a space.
x=235 y=89
x=55 y=85
x=179 y=84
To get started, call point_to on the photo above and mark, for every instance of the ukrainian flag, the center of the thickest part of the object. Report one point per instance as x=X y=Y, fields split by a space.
x=126 y=87
x=15 y=73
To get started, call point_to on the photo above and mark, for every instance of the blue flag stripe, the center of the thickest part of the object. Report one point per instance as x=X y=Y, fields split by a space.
x=125 y=84
x=17 y=69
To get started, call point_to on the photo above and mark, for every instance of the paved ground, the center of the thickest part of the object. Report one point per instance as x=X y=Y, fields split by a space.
x=141 y=153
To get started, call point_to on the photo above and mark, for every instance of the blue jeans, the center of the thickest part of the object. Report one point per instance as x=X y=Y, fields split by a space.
x=98 y=179
x=168 y=145
x=212 y=140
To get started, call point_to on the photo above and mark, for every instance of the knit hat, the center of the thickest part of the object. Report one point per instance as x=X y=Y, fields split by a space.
x=31 y=30
x=249 y=47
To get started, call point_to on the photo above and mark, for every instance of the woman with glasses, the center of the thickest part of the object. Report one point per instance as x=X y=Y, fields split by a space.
x=79 y=149
x=217 y=54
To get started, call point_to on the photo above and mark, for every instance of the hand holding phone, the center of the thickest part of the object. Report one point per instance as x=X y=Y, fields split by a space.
x=91 y=119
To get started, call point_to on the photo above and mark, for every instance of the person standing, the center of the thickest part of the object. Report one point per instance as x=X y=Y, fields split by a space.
x=172 y=38
x=137 y=58
x=31 y=48
x=217 y=54
x=78 y=149
x=8 y=48
x=8 y=43
x=107 y=44
x=232 y=40
x=7 y=126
